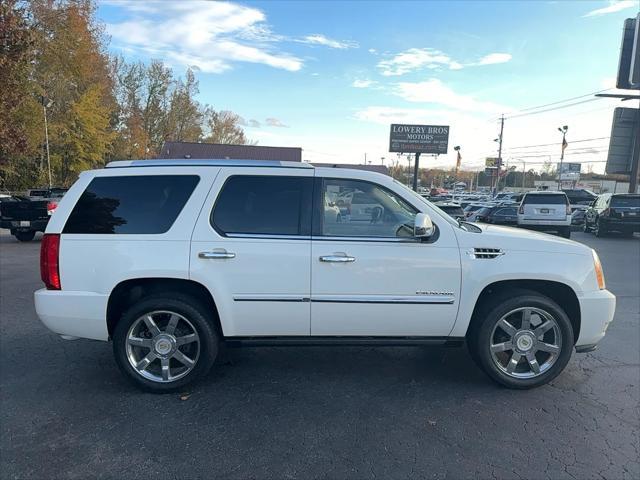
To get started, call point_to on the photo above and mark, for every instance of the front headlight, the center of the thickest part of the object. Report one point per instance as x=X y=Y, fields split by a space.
x=598 y=268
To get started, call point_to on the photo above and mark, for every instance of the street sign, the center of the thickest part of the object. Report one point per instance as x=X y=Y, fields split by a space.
x=623 y=128
x=490 y=171
x=419 y=138
x=492 y=162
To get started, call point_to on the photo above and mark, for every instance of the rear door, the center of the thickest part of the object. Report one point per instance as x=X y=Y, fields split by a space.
x=545 y=206
x=251 y=248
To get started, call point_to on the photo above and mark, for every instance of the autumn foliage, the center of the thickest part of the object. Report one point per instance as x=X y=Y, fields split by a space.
x=100 y=107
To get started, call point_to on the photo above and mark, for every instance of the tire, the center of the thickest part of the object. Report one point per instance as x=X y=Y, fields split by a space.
x=566 y=232
x=600 y=230
x=585 y=227
x=25 y=236
x=510 y=306
x=163 y=348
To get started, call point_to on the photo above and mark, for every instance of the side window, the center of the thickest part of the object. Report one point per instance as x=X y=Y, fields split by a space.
x=264 y=205
x=354 y=208
x=132 y=204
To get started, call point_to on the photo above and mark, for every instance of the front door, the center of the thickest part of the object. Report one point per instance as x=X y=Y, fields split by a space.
x=370 y=277
x=251 y=248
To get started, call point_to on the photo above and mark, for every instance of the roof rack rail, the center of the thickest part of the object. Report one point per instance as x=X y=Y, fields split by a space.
x=184 y=162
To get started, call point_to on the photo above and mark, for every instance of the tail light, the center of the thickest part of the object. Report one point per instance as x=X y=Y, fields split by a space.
x=49 y=264
x=51 y=206
x=568 y=209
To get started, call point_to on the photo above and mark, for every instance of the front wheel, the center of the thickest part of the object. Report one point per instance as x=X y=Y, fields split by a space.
x=566 y=232
x=165 y=342
x=523 y=340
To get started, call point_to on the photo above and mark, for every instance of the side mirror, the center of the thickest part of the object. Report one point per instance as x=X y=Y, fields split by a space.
x=423 y=226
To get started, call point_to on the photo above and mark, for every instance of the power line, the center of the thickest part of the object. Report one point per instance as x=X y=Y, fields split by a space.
x=556 y=143
x=563 y=101
x=554 y=108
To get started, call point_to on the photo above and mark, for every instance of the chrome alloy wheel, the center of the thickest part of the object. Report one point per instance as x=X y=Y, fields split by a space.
x=526 y=342
x=162 y=346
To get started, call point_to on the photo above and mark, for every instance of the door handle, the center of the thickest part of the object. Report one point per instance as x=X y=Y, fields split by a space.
x=337 y=258
x=216 y=254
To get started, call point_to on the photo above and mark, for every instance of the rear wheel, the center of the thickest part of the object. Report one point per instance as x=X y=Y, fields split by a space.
x=600 y=230
x=522 y=340
x=566 y=232
x=25 y=236
x=165 y=342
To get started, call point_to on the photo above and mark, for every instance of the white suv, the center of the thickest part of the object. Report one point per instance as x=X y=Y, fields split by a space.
x=171 y=258
x=546 y=211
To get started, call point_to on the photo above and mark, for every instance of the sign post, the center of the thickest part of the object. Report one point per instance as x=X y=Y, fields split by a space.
x=418 y=139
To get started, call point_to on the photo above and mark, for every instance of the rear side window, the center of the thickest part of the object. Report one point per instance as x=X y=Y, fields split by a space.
x=545 y=199
x=630 y=201
x=129 y=205
x=264 y=205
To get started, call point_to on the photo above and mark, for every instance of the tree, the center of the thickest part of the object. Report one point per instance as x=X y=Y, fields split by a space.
x=20 y=114
x=184 y=118
x=224 y=127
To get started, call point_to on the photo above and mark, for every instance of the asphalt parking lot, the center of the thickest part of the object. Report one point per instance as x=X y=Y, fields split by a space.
x=66 y=412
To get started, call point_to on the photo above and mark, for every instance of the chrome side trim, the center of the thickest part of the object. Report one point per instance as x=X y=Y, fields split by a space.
x=365 y=239
x=385 y=299
x=195 y=162
x=271 y=298
x=365 y=299
x=268 y=236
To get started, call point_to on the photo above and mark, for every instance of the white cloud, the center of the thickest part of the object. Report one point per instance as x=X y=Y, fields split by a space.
x=319 y=39
x=363 y=83
x=613 y=7
x=274 y=122
x=494 y=58
x=435 y=92
x=208 y=35
x=415 y=59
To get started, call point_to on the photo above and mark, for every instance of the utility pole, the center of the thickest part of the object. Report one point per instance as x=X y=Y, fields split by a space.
x=635 y=158
x=497 y=181
x=46 y=103
x=416 y=166
x=524 y=172
x=563 y=130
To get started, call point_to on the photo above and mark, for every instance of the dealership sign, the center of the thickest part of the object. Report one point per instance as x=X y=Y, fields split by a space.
x=569 y=171
x=419 y=138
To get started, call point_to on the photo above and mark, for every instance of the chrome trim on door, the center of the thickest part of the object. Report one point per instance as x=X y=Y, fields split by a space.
x=337 y=258
x=216 y=254
x=385 y=299
x=271 y=298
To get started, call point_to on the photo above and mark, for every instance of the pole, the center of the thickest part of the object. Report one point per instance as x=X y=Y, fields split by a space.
x=635 y=157
x=46 y=138
x=499 y=155
x=524 y=173
x=416 y=165
x=561 y=160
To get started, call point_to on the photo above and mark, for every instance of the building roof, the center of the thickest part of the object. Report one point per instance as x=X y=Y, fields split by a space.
x=192 y=150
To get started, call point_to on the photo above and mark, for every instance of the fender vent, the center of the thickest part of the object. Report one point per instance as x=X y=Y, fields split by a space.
x=487 y=252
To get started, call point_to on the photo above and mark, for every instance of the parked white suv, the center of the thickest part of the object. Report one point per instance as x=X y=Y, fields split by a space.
x=169 y=259
x=546 y=211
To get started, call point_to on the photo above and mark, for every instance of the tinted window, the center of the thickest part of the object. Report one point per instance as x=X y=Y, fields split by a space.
x=264 y=205
x=630 y=201
x=361 y=209
x=136 y=204
x=545 y=199
x=506 y=211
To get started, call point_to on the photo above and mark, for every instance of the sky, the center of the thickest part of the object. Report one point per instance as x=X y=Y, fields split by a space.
x=331 y=76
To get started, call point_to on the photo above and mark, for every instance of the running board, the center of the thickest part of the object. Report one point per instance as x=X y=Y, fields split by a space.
x=342 y=341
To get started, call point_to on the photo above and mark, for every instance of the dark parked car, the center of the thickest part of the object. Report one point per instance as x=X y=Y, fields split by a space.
x=452 y=209
x=613 y=212
x=499 y=215
x=580 y=196
x=577 y=215
x=28 y=214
